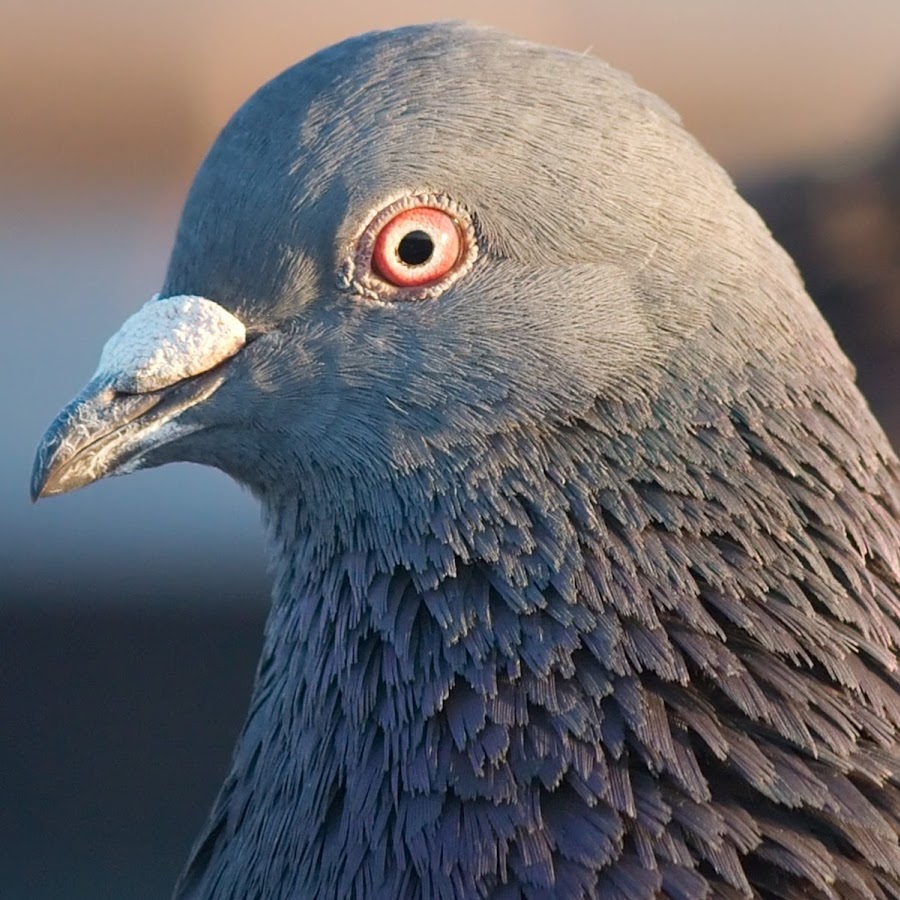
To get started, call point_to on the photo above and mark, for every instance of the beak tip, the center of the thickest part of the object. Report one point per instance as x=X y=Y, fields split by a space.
x=40 y=490
x=51 y=471
x=41 y=478
x=39 y=474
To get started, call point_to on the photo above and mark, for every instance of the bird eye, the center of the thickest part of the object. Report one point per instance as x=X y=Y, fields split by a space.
x=412 y=249
x=417 y=247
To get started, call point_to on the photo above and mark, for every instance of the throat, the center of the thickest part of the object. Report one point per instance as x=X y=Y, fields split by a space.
x=405 y=722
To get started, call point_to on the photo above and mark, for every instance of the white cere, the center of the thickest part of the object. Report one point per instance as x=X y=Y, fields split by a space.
x=167 y=340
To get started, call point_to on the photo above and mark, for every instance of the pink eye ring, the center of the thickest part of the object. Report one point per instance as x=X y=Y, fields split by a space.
x=411 y=249
x=418 y=247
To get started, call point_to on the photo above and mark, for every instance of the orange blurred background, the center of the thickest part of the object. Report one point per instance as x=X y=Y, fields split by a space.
x=98 y=90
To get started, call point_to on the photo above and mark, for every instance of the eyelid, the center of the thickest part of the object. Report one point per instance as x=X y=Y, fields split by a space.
x=356 y=273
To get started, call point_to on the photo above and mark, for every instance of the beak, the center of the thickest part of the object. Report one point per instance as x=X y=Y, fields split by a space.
x=103 y=432
x=171 y=355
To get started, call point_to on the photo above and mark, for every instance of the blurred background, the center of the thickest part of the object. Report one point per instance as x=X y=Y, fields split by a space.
x=131 y=613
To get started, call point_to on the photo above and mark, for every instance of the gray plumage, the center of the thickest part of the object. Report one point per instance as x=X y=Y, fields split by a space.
x=586 y=576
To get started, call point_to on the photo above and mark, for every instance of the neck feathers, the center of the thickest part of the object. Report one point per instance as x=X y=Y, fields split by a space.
x=659 y=646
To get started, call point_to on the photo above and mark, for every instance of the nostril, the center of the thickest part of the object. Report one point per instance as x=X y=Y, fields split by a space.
x=167 y=340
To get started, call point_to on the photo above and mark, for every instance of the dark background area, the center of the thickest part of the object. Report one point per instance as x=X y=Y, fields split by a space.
x=131 y=613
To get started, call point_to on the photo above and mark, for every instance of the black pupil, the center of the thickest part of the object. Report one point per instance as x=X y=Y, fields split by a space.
x=415 y=248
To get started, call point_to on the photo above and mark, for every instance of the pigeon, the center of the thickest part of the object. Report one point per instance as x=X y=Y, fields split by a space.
x=584 y=544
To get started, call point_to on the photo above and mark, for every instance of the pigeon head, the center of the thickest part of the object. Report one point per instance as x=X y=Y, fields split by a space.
x=592 y=242
x=585 y=545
